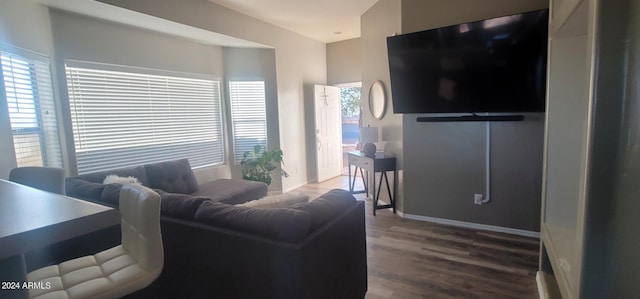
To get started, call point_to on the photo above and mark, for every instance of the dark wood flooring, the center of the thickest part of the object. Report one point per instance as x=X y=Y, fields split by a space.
x=414 y=259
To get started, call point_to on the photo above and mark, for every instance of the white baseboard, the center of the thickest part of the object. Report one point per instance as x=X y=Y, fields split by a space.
x=547 y=286
x=500 y=229
x=542 y=288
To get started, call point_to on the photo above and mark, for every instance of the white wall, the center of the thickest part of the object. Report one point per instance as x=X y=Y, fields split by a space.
x=23 y=24
x=380 y=21
x=87 y=39
x=300 y=62
x=255 y=64
x=344 y=61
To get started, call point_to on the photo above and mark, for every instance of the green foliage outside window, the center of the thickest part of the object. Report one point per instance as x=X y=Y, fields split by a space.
x=351 y=102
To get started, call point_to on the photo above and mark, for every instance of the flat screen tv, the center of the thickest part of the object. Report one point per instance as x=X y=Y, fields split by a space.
x=493 y=65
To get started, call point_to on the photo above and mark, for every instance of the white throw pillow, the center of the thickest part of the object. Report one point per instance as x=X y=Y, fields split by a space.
x=276 y=201
x=114 y=179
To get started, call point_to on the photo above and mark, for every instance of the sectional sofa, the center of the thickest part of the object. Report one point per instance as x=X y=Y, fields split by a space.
x=215 y=248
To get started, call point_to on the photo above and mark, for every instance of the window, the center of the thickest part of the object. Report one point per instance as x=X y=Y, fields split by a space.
x=248 y=116
x=123 y=119
x=26 y=82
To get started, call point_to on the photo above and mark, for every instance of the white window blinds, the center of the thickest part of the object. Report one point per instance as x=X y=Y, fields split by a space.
x=29 y=95
x=248 y=116
x=123 y=119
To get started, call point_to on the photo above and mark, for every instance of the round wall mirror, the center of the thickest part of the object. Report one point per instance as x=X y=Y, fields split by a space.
x=377 y=99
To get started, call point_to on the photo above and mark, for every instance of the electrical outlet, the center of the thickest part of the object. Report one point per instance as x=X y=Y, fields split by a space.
x=477 y=198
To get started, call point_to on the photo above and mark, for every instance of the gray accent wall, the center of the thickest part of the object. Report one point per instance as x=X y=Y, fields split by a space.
x=444 y=163
x=418 y=15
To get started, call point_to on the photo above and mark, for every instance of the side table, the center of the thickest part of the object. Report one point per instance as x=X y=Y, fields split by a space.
x=381 y=163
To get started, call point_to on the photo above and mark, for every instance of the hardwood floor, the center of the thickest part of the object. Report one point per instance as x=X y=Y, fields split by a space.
x=414 y=259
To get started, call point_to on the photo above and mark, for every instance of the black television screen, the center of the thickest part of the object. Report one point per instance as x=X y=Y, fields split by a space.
x=493 y=65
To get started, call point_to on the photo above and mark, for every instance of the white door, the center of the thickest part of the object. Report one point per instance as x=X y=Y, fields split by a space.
x=328 y=132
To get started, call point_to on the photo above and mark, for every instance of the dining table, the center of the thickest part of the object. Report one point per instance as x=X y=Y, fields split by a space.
x=32 y=219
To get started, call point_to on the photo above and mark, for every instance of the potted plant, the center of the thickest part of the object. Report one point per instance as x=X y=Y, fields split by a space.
x=259 y=164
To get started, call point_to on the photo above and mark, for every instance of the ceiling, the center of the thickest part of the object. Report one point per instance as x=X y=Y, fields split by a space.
x=326 y=21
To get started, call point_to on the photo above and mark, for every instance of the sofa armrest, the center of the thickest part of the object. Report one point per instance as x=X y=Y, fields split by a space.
x=79 y=188
x=335 y=257
x=178 y=205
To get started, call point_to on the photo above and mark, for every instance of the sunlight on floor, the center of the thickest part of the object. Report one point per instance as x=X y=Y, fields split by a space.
x=340 y=182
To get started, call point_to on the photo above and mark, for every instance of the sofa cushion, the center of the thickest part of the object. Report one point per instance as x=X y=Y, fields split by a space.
x=279 y=224
x=326 y=207
x=90 y=185
x=276 y=201
x=178 y=205
x=172 y=176
x=232 y=191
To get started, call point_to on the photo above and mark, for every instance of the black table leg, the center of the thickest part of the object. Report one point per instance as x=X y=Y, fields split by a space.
x=376 y=195
x=351 y=185
x=364 y=182
x=375 y=198
x=354 y=177
x=391 y=197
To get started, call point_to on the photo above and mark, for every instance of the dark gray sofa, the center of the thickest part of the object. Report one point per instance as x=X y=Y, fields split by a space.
x=214 y=249
x=174 y=180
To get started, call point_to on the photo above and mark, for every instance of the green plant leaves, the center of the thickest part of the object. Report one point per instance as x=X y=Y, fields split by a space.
x=258 y=164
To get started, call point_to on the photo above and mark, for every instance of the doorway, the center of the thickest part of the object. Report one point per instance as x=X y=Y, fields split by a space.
x=351 y=112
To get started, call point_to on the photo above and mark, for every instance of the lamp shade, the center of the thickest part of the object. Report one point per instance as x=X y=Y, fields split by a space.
x=368 y=135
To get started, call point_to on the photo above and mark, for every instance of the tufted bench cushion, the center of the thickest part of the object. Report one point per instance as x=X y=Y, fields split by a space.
x=92 y=276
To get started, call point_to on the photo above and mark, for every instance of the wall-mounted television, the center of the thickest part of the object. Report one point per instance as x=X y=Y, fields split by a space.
x=493 y=65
